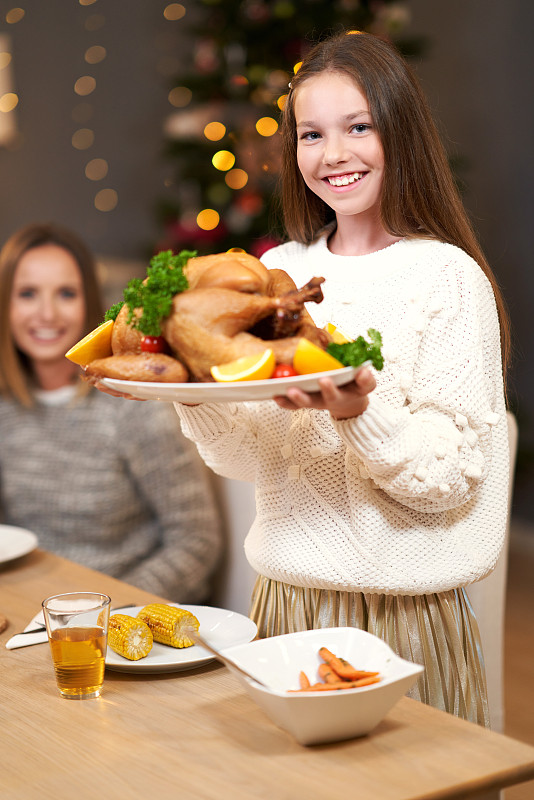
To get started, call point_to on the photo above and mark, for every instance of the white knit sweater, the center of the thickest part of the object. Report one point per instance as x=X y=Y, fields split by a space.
x=411 y=496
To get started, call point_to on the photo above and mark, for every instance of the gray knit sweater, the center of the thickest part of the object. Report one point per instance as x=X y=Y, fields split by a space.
x=112 y=484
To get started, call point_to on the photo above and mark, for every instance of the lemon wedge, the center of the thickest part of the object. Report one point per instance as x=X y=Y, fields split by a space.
x=310 y=358
x=337 y=336
x=96 y=344
x=258 y=367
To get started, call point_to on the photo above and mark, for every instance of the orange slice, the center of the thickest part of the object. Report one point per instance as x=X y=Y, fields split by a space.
x=310 y=358
x=258 y=367
x=96 y=344
x=337 y=336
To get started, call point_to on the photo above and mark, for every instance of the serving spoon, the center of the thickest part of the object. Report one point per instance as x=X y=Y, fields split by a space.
x=228 y=662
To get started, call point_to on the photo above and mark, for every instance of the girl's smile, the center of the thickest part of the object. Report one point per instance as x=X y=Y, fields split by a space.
x=339 y=152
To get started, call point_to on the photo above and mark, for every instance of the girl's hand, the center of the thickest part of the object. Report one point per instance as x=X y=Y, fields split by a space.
x=343 y=402
x=106 y=390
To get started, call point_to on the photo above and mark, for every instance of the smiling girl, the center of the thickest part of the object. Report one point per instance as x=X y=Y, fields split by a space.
x=378 y=501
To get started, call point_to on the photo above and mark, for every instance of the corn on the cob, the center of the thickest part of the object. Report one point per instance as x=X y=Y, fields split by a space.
x=169 y=625
x=129 y=637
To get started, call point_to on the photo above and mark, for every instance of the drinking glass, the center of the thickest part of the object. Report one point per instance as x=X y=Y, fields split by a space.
x=77 y=627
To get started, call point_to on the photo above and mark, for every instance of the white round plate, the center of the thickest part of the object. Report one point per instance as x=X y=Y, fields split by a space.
x=236 y=391
x=220 y=627
x=15 y=542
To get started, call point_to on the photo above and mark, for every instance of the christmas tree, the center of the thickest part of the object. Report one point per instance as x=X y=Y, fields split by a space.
x=221 y=139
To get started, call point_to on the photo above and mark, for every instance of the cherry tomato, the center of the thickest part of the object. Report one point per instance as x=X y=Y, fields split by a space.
x=153 y=344
x=284 y=371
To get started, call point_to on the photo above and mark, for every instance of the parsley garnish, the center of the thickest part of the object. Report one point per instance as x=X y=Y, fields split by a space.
x=113 y=312
x=352 y=354
x=164 y=278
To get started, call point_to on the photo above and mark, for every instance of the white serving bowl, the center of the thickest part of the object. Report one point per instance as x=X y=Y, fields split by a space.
x=324 y=716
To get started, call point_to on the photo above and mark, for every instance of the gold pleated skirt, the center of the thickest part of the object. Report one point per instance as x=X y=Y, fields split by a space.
x=438 y=631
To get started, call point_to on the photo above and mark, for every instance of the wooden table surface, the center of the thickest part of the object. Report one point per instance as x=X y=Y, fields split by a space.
x=197 y=734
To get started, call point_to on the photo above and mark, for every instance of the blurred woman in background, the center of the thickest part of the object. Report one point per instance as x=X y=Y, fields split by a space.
x=113 y=486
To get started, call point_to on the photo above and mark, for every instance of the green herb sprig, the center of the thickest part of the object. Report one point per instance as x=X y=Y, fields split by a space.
x=164 y=278
x=352 y=354
x=113 y=312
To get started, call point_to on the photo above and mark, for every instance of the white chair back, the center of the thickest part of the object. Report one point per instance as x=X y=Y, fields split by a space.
x=488 y=598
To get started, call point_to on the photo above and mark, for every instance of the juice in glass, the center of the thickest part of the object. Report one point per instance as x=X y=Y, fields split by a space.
x=79 y=660
x=77 y=626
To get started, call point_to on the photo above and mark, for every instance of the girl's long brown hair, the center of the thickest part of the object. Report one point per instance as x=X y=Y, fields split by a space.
x=15 y=373
x=419 y=197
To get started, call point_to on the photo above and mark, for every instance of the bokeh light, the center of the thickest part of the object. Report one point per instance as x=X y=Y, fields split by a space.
x=266 y=126
x=96 y=169
x=223 y=160
x=106 y=200
x=214 y=131
x=208 y=219
x=95 y=54
x=236 y=178
x=8 y=102
x=14 y=15
x=83 y=138
x=85 y=85
x=174 y=11
x=5 y=59
x=180 y=96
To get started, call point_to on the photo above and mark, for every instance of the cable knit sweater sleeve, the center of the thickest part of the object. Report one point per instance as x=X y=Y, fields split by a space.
x=435 y=451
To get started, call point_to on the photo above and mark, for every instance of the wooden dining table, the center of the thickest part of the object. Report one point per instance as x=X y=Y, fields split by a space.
x=197 y=734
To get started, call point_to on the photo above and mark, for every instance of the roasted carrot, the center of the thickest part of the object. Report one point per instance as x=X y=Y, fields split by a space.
x=327 y=674
x=342 y=668
x=304 y=681
x=338 y=686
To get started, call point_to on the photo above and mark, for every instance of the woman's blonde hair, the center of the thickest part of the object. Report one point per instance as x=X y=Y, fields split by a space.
x=419 y=197
x=15 y=373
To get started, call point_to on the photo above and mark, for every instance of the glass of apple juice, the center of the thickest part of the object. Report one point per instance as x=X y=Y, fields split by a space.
x=77 y=627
